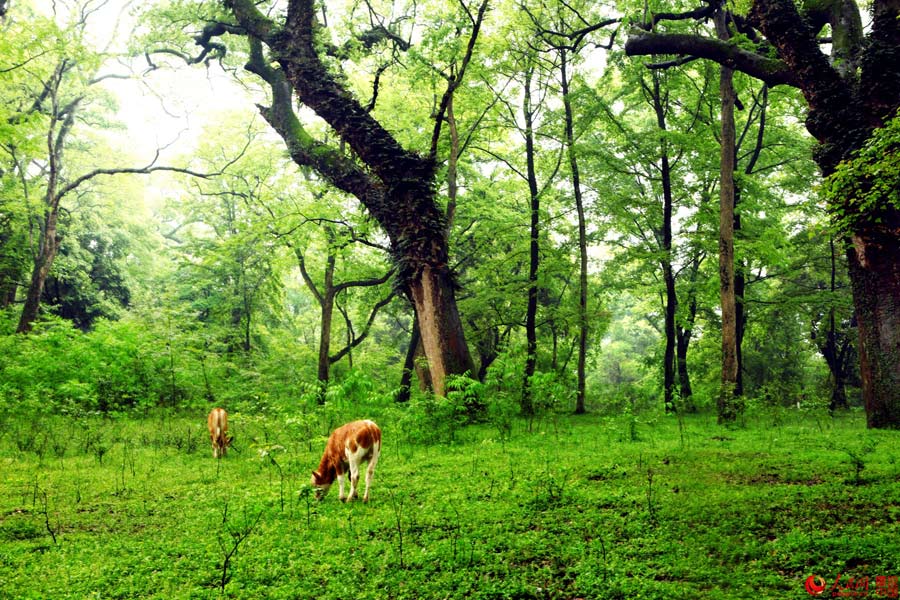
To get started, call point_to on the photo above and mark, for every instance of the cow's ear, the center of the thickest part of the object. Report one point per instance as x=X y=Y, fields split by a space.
x=316 y=476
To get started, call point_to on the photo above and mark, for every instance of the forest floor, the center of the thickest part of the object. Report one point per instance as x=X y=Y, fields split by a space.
x=566 y=507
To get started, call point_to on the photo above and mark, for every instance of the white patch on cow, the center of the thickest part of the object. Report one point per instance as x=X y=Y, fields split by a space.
x=355 y=459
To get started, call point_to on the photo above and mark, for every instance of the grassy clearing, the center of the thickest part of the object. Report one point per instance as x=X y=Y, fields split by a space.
x=573 y=508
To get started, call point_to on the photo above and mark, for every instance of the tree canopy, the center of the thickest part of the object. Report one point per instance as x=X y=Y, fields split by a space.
x=521 y=195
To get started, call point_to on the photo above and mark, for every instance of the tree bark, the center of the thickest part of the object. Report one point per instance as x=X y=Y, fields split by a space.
x=726 y=405
x=875 y=278
x=42 y=264
x=741 y=313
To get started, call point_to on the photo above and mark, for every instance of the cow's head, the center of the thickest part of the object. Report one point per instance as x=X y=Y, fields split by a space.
x=321 y=487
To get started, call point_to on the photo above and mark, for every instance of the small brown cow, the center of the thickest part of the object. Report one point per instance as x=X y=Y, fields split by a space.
x=217 y=421
x=348 y=447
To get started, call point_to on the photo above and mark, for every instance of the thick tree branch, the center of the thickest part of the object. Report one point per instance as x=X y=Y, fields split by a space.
x=835 y=117
x=295 y=49
x=771 y=71
x=209 y=49
x=364 y=282
x=302 y=147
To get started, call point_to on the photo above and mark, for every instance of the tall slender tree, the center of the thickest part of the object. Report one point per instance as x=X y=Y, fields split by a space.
x=728 y=404
x=567 y=32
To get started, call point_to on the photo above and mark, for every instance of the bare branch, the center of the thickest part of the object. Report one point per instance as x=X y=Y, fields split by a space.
x=22 y=64
x=150 y=168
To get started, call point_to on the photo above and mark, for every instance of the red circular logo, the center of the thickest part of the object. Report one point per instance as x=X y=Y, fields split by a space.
x=815 y=585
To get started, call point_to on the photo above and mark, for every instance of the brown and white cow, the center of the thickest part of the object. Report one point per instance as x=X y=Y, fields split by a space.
x=348 y=447
x=217 y=421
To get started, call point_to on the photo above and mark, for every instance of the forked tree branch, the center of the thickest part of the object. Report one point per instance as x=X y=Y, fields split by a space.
x=357 y=340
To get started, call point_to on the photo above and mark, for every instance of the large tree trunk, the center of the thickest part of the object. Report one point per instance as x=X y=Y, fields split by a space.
x=875 y=278
x=440 y=327
x=740 y=318
x=43 y=261
x=42 y=264
x=727 y=406
x=843 y=118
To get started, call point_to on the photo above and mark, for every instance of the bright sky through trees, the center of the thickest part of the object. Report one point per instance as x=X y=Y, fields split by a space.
x=166 y=109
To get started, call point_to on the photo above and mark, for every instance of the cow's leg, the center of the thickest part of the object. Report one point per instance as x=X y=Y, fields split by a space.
x=340 y=478
x=370 y=472
x=354 y=477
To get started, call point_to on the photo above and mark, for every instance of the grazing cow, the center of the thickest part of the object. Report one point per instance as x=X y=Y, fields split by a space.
x=348 y=447
x=217 y=421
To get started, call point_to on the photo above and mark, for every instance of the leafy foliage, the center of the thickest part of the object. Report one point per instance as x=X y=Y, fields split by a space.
x=865 y=190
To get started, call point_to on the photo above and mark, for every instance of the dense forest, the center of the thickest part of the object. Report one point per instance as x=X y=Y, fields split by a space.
x=618 y=282
x=568 y=206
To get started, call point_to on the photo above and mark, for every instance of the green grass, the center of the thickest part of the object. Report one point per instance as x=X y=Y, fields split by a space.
x=575 y=507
